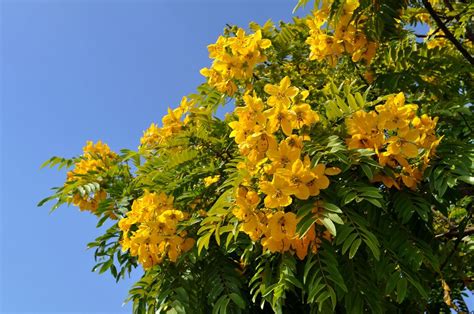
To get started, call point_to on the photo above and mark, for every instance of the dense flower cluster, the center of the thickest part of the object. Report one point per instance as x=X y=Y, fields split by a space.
x=402 y=141
x=234 y=59
x=274 y=161
x=96 y=157
x=150 y=230
x=173 y=122
x=347 y=36
x=275 y=228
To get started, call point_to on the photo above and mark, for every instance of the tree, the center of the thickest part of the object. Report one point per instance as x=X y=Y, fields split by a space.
x=341 y=180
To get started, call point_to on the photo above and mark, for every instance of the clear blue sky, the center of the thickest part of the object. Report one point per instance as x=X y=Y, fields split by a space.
x=73 y=71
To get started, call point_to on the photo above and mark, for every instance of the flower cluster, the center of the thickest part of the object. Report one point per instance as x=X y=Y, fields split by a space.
x=436 y=40
x=402 y=141
x=347 y=36
x=150 y=230
x=173 y=123
x=234 y=59
x=275 y=228
x=95 y=157
x=276 y=165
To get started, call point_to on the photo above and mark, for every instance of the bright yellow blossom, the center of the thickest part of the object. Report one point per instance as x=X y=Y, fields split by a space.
x=278 y=192
x=210 y=180
x=298 y=177
x=281 y=94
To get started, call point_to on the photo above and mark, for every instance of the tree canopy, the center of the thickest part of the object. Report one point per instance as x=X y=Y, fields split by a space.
x=340 y=180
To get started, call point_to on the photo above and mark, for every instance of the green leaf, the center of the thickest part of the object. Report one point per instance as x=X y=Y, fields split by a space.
x=354 y=247
x=330 y=226
x=332 y=208
x=348 y=242
x=238 y=300
x=401 y=289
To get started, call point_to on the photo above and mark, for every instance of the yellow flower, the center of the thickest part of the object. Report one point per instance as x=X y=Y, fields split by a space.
x=333 y=171
x=284 y=156
x=262 y=141
x=298 y=176
x=411 y=176
x=278 y=192
x=363 y=126
x=210 y=180
x=404 y=143
x=304 y=115
x=295 y=141
x=282 y=225
x=151 y=137
x=242 y=129
x=280 y=117
x=319 y=181
x=394 y=114
x=252 y=111
x=281 y=230
x=96 y=159
x=252 y=227
x=281 y=94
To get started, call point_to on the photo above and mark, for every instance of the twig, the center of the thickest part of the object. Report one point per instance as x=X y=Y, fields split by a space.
x=455 y=233
x=447 y=32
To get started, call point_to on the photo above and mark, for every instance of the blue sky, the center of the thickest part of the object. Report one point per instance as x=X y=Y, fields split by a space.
x=73 y=71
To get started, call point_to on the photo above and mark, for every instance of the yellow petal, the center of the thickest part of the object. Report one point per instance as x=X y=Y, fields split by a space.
x=332 y=171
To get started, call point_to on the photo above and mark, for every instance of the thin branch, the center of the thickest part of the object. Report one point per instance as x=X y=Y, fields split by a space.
x=455 y=233
x=447 y=32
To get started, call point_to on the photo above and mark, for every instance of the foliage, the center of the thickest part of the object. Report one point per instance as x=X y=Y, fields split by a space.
x=340 y=182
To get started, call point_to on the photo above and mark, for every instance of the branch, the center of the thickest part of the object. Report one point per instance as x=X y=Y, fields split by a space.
x=447 y=32
x=455 y=233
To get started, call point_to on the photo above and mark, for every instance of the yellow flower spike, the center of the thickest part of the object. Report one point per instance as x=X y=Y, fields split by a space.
x=154 y=236
x=281 y=94
x=152 y=136
x=234 y=59
x=278 y=192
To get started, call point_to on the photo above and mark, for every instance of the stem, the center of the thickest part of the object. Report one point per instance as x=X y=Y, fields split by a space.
x=447 y=32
